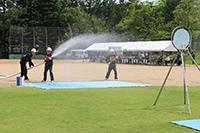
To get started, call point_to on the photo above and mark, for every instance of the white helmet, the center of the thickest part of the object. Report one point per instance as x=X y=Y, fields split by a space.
x=49 y=49
x=112 y=50
x=33 y=50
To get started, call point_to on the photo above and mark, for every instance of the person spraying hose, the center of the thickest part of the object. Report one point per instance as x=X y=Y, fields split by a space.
x=48 y=65
x=112 y=64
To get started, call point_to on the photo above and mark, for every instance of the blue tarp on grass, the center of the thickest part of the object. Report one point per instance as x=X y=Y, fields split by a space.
x=80 y=85
x=193 y=124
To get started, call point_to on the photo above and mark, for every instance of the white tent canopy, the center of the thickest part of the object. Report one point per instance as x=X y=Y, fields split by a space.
x=146 y=46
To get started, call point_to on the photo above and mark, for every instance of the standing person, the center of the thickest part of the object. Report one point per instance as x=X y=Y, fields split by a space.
x=112 y=65
x=48 y=65
x=24 y=59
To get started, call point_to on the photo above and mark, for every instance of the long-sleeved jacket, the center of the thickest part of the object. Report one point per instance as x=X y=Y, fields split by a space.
x=112 y=58
x=48 y=60
x=27 y=58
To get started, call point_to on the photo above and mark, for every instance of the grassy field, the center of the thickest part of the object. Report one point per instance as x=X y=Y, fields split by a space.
x=189 y=60
x=122 y=110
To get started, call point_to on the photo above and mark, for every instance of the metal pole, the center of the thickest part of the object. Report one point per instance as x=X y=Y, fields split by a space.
x=33 y=36
x=188 y=100
x=194 y=60
x=58 y=34
x=164 y=82
x=46 y=37
x=9 y=40
x=186 y=91
x=70 y=30
x=184 y=76
x=22 y=48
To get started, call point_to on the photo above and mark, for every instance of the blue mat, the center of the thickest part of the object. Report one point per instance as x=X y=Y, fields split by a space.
x=193 y=124
x=80 y=85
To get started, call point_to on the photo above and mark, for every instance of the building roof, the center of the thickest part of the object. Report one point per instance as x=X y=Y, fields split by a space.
x=148 y=46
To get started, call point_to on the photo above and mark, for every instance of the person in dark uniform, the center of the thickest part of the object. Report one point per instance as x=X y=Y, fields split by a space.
x=112 y=65
x=48 y=65
x=24 y=59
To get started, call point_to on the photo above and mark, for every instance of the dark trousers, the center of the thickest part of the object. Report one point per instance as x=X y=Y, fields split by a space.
x=46 y=69
x=24 y=71
x=110 y=68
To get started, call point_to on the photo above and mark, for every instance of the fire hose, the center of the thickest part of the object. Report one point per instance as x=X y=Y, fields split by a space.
x=2 y=77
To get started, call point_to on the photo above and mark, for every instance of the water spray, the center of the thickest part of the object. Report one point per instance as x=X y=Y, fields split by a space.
x=84 y=41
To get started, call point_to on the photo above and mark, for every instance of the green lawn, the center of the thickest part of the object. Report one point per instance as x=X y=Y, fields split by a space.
x=122 y=110
x=189 y=60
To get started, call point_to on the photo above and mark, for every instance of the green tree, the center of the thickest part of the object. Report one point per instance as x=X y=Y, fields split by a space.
x=9 y=13
x=109 y=11
x=37 y=13
x=145 y=21
x=76 y=19
x=187 y=14
x=168 y=8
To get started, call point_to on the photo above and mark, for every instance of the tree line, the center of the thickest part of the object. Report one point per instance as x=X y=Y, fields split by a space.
x=134 y=19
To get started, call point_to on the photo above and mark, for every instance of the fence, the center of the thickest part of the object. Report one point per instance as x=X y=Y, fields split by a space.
x=22 y=39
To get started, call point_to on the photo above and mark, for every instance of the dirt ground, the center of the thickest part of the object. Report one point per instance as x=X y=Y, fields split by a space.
x=86 y=71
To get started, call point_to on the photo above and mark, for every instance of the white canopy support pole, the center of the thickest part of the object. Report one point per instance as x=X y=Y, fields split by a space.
x=184 y=76
x=188 y=100
x=186 y=92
